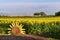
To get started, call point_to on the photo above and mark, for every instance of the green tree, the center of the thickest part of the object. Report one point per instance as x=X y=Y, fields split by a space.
x=40 y=14
x=57 y=13
x=36 y=14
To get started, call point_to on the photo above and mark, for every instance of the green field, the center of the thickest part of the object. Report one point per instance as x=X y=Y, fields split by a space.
x=33 y=25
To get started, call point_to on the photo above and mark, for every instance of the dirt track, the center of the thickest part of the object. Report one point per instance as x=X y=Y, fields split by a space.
x=27 y=37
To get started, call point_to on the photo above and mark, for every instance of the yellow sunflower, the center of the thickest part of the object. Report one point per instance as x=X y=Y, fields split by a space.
x=16 y=29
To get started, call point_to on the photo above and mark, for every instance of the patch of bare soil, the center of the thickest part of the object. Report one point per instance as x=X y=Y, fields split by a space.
x=36 y=37
x=22 y=37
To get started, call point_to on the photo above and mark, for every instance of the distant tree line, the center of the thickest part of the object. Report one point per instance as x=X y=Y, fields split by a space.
x=35 y=14
x=44 y=14
x=40 y=14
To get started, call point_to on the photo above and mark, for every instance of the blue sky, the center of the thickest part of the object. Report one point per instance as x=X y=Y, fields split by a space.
x=29 y=0
x=28 y=7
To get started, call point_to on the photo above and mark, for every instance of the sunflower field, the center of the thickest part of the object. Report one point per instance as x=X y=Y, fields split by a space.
x=49 y=26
